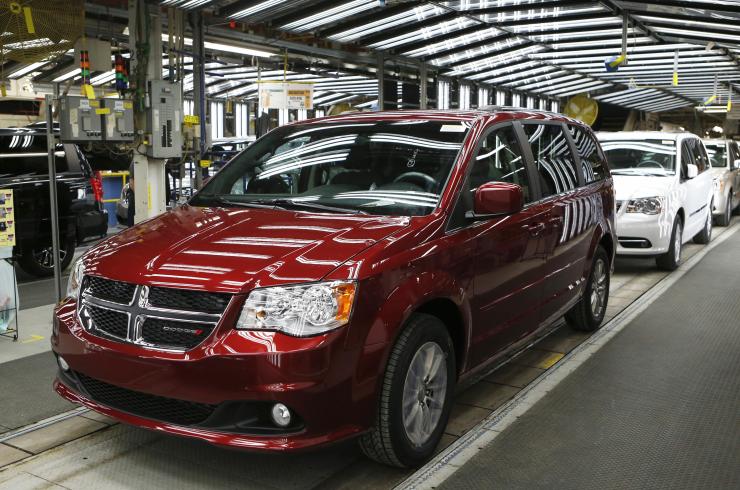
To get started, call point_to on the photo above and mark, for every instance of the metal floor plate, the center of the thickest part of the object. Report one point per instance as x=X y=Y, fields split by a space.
x=657 y=407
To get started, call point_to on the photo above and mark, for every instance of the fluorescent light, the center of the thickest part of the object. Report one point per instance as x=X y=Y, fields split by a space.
x=27 y=69
x=67 y=75
x=227 y=48
x=255 y=8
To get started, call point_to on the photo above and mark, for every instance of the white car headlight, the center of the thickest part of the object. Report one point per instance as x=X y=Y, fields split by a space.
x=646 y=205
x=301 y=311
x=75 y=279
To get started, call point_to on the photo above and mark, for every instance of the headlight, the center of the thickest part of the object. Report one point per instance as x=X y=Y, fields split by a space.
x=301 y=311
x=75 y=279
x=645 y=205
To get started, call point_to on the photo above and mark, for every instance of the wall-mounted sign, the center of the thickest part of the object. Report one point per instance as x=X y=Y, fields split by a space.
x=286 y=95
x=7 y=219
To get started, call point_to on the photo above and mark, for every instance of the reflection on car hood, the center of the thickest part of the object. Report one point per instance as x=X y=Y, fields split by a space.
x=631 y=187
x=234 y=250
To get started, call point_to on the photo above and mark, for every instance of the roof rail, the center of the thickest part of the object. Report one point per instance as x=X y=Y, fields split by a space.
x=512 y=108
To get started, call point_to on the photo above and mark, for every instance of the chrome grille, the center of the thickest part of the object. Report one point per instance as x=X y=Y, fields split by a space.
x=182 y=299
x=115 y=291
x=173 y=323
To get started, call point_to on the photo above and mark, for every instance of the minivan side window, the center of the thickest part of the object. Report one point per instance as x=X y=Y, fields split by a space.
x=553 y=158
x=700 y=154
x=500 y=159
x=592 y=160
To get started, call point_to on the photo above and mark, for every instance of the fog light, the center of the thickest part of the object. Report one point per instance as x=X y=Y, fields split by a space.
x=62 y=363
x=281 y=415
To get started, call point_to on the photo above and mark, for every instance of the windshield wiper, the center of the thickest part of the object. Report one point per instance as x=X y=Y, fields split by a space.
x=287 y=203
x=237 y=204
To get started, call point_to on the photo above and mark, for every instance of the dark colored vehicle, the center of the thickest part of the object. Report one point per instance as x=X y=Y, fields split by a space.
x=339 y=277
x=24 y=169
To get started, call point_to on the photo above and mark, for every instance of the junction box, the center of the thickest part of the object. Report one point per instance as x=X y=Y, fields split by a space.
x=164 y=120
x=118 y=120
x=80 y=119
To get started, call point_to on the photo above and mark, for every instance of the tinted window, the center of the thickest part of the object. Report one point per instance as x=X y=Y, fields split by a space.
x=24 y=154
x=592 y=160
x=500 y=160
x=735 y=151
x=553 y=158
x=381 y=167
x=700 y=155
x=640 y=157
x=717 y=155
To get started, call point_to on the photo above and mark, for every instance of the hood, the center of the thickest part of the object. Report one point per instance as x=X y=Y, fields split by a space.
x=636 y=186
x=717 y=172
x=234 y=250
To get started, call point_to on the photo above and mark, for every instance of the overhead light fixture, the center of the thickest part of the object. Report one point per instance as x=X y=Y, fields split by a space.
x=27 y=69
x=67 y=75
x=226 y=48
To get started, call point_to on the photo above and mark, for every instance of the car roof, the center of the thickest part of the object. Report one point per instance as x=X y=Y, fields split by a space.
x=643 y=135
x=455 y=115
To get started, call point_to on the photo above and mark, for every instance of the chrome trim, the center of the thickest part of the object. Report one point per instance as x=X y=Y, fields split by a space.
x=138 y=311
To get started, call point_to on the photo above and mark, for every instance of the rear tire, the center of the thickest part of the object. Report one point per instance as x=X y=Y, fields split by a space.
x=589 y=312
x=670 y=260
x=415 y=397
x=705 y=235
x=39 y=261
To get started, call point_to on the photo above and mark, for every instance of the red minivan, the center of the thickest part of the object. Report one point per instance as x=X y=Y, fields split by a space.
x=339 y=277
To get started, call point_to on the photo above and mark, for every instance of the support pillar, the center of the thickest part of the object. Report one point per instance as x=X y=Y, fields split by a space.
x=149 y=176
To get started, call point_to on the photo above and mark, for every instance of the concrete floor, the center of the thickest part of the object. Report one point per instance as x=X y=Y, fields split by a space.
x=80 y=449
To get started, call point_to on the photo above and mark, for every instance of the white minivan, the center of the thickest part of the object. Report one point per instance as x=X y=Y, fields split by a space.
x=664 y=192
x=724 y=155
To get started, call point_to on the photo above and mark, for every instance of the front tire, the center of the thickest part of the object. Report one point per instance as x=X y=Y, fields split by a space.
x=705 y=235
x=724 y=220
x=415 y=397
x=670 y=260
x=589 y=312
x=39 y=261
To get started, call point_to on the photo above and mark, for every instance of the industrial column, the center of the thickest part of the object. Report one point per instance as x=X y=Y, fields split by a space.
x=146 y=46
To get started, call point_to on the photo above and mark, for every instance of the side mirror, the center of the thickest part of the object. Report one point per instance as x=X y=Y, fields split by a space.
x=691 y=170
x=497 y=199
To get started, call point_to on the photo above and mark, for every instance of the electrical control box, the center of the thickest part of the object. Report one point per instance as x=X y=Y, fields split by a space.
x=79 y=119
x=118 y=120
x=164 y=120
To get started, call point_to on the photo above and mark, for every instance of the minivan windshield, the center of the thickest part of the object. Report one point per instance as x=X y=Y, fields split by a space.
x=641 y=157
x=375 y=167
x=716 y=154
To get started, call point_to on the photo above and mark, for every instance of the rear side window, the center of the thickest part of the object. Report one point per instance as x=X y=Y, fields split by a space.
x=553 y=158
x=592 y=160
x=500 y=159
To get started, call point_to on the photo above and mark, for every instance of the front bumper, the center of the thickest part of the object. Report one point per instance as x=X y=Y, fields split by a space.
x=642 y=234
x=314 y=377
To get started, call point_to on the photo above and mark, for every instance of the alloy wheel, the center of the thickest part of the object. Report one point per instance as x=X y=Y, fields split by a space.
x=424 y=393
x=598 y=288
x=45 y=256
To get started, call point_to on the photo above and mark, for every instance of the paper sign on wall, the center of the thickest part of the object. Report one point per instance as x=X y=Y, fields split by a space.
x=7 y=219
x=286 y=95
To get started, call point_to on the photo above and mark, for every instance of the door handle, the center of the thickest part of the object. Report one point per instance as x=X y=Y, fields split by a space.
x=535 y=229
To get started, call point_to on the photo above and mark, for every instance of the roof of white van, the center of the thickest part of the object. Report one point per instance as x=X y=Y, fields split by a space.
x=643 y=135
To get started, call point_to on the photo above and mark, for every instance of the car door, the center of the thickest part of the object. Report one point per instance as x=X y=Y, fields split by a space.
x=508 y=251
x=734 y=156
x=690 y=192
x=702 y=184
x=570 y=217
